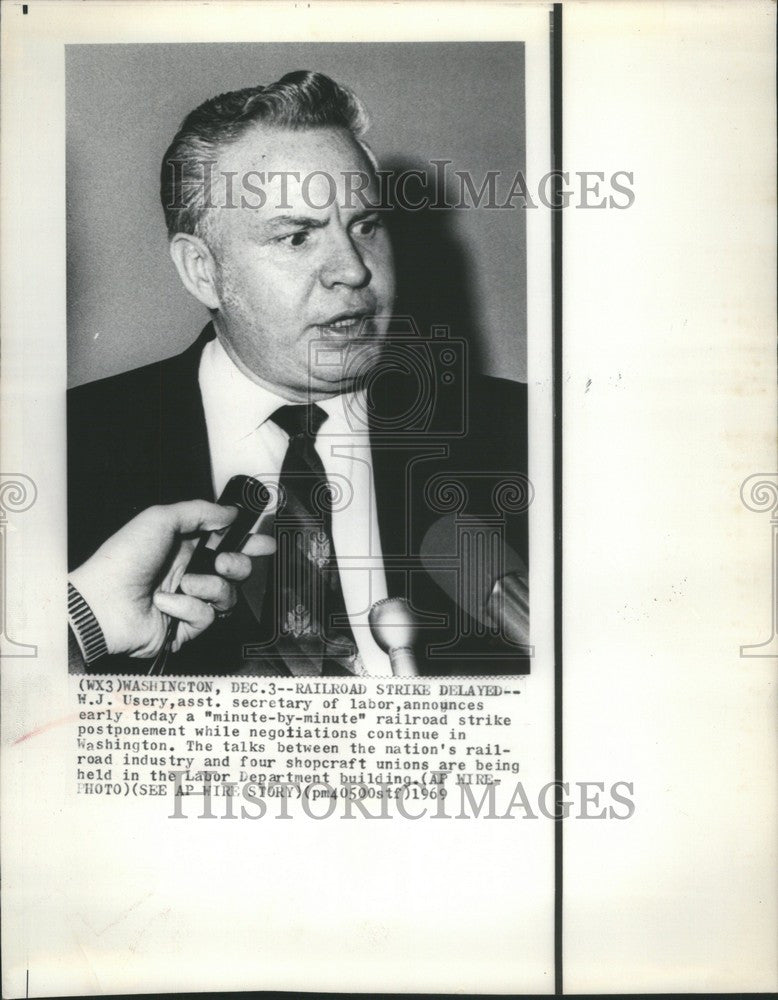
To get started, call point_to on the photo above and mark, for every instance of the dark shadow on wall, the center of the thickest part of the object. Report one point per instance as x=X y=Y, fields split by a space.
x=434 y=283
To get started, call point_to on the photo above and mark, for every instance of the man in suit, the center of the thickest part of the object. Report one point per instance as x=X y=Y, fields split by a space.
x=302 y=379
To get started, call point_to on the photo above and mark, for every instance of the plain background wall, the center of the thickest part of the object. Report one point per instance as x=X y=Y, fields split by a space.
x=463 y=102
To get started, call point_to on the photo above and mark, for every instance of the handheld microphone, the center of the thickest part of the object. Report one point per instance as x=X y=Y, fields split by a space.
x=251 y=497
x=483 y=575
x=393 y=626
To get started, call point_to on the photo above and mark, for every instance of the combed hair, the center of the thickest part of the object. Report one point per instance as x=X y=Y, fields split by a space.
x=299 y=100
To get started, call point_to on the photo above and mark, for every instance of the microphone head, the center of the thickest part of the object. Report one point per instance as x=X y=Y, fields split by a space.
x=247 y=493
x=392 y=623
x=466 y=557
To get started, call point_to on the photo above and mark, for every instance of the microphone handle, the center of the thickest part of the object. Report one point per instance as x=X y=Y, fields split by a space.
x=202 y=563
x=203 y=558
x=403 y=662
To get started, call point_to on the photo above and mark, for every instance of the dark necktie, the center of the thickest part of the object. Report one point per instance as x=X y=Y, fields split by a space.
x=314 y=636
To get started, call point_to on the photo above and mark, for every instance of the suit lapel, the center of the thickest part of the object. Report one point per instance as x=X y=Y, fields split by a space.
x=390 y=493
x=184 y=461
x=403 y=459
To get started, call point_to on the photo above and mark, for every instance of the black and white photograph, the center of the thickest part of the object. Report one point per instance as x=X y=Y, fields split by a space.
x=297 y=285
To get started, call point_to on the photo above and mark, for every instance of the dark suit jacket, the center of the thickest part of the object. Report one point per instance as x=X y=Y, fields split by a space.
x=139 y=439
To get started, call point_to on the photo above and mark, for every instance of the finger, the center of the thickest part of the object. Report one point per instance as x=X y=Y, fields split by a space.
x=259 y=545
x=178 y=566
x=189 y=610
x=213 y=589
x=196 y=515
x=233 y=566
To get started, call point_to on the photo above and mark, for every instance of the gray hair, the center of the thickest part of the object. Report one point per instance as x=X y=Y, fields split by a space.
x=299 y=100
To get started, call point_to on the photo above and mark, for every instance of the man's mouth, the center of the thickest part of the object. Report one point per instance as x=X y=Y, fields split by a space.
x=348 y=324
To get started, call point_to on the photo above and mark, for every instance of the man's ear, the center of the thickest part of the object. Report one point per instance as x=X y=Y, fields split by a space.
x=196 y=268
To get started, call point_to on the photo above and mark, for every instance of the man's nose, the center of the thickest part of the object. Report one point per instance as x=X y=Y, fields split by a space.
x=345 y=265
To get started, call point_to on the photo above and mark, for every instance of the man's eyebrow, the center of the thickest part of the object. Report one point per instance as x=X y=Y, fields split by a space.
x=302 y=221
x=363 y=214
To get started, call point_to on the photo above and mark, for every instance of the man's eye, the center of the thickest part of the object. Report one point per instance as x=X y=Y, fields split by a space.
x=367 y=227
x=295 y=239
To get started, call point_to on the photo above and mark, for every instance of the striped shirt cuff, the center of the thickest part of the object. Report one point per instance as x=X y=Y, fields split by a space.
x=85 y=626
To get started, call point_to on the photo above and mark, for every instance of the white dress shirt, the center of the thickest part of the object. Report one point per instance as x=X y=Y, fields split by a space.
x=243 y=441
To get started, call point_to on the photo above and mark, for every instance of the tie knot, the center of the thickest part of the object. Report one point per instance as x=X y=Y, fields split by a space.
x=300 y=419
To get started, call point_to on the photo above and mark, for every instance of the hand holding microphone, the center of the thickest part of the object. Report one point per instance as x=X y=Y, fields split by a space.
x=151 y=579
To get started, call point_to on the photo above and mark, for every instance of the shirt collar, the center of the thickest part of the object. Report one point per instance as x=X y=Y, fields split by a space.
x=237 y=406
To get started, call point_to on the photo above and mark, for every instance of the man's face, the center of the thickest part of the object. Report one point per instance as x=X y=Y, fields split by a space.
x=289 y=273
